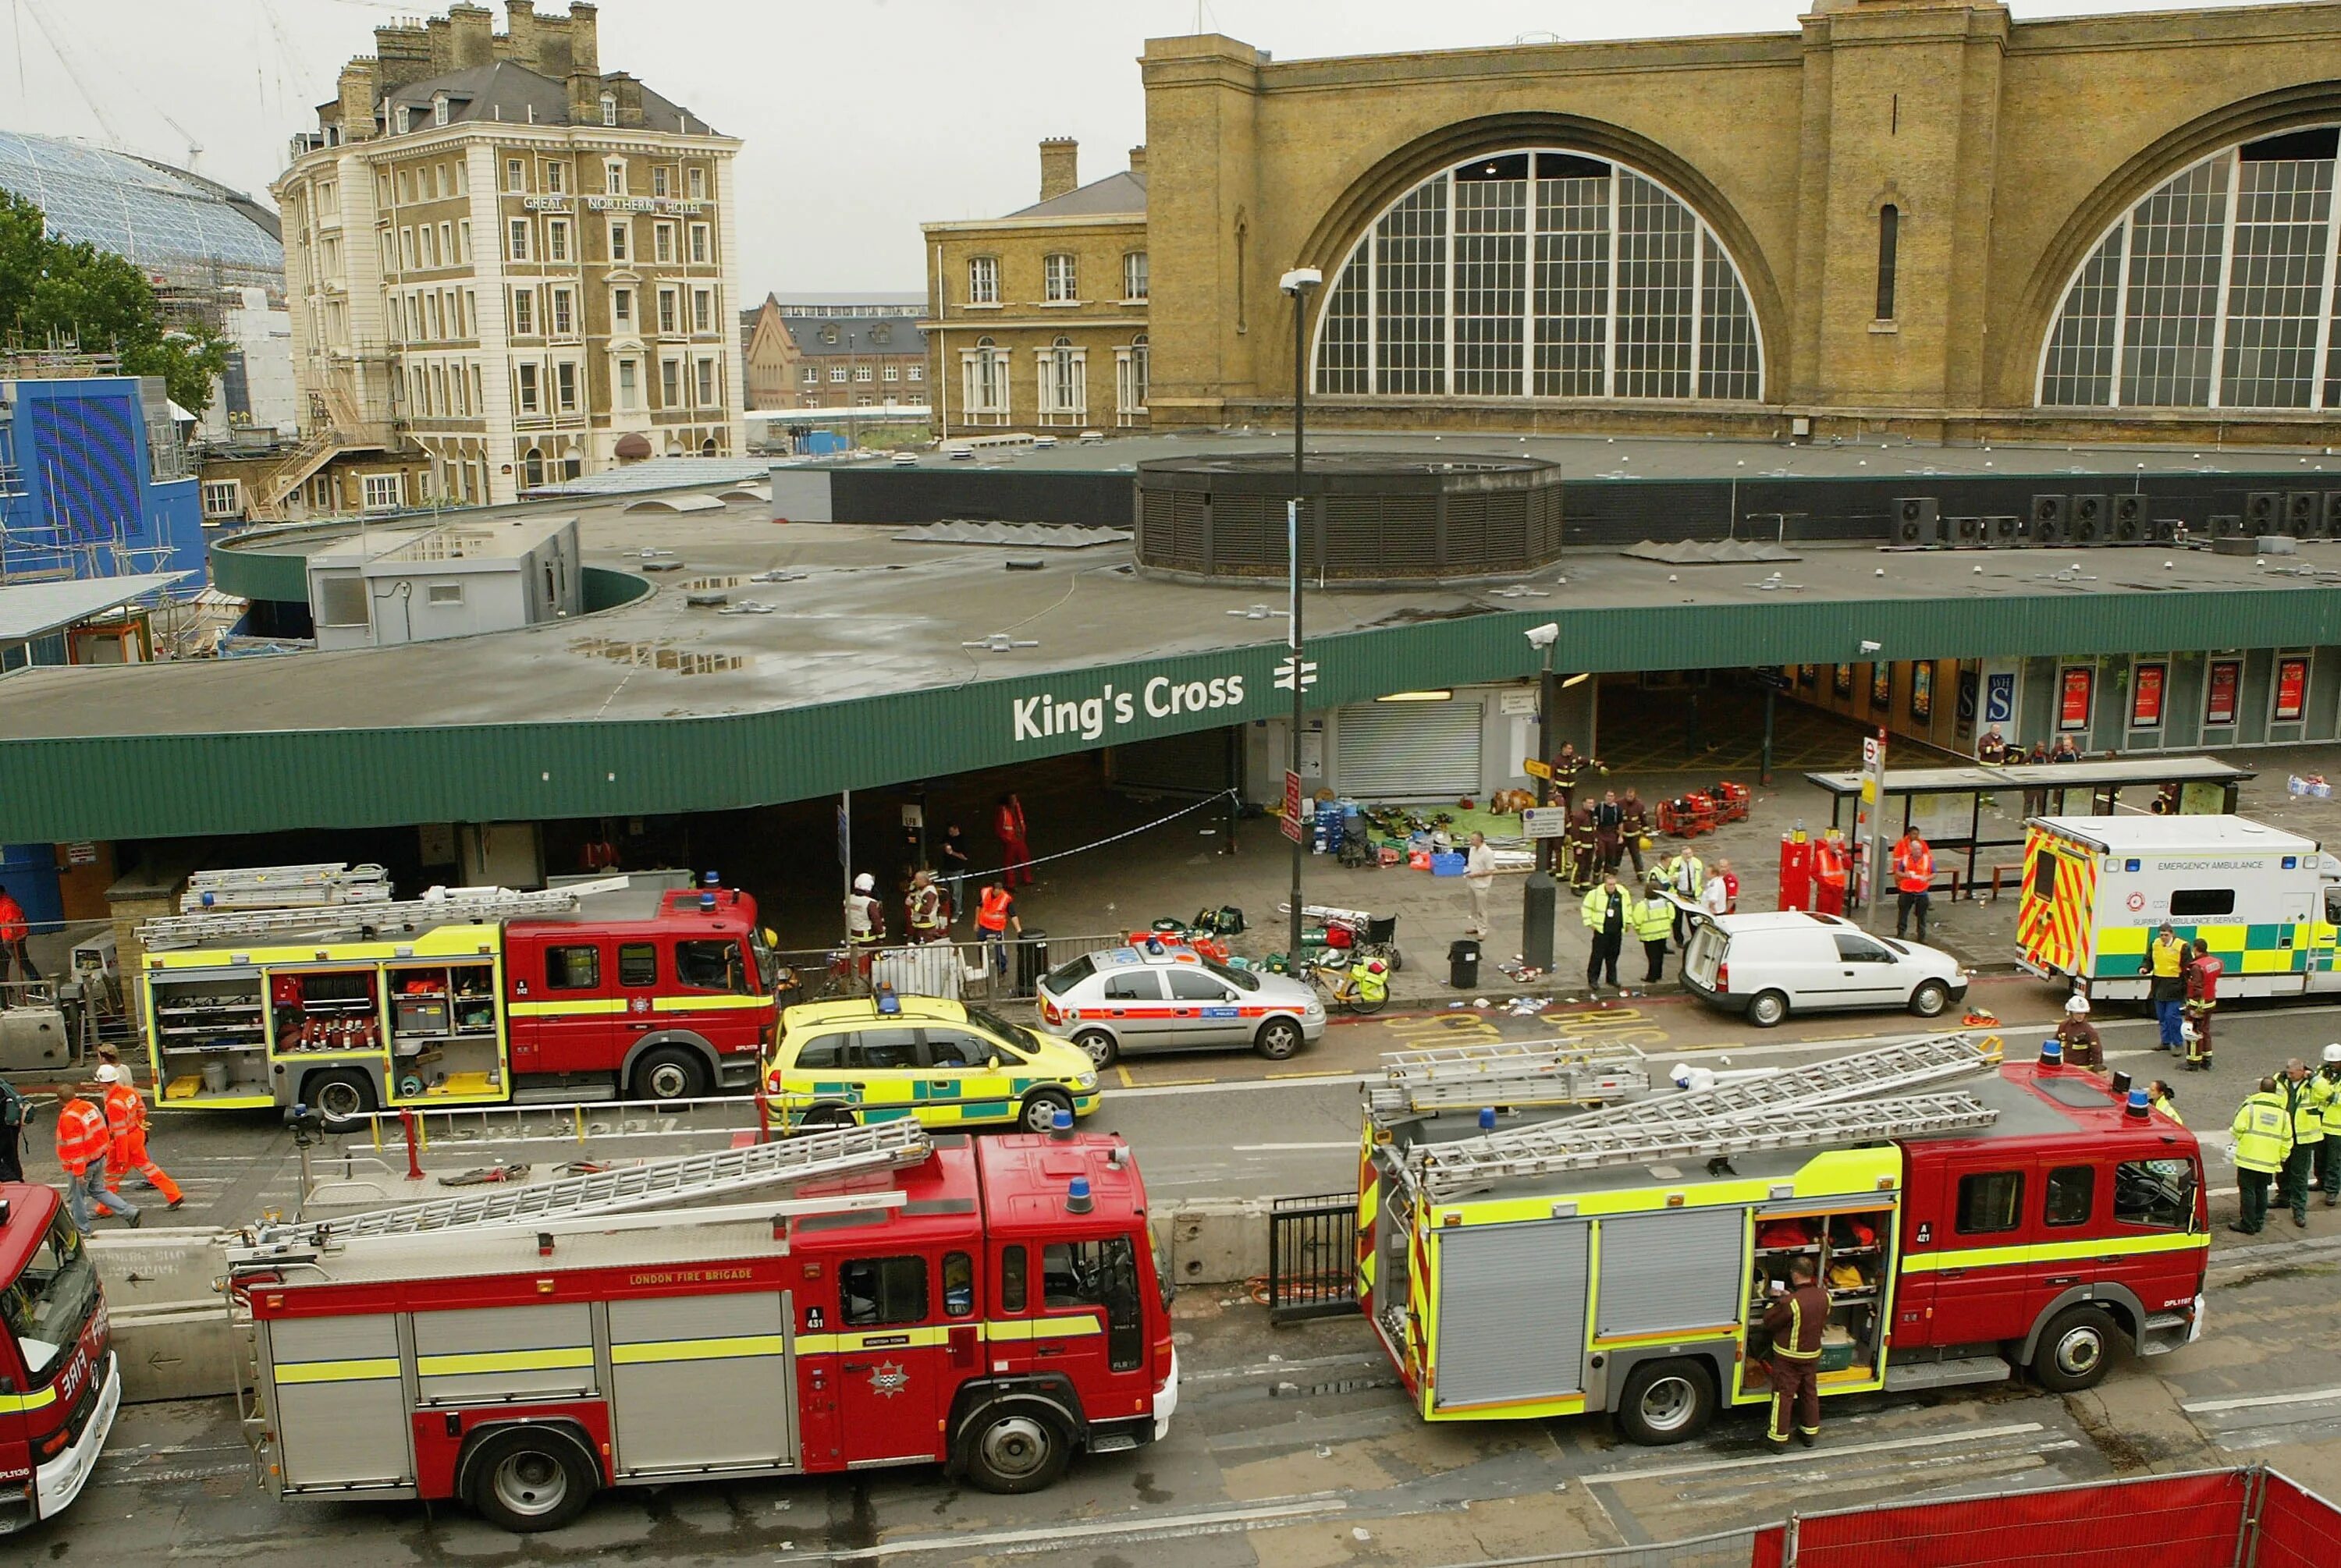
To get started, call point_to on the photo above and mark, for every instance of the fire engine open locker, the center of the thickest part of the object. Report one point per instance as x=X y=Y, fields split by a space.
x=2006 y=1218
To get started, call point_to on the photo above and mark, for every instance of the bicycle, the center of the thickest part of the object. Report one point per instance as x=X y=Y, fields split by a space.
x=1346 y=990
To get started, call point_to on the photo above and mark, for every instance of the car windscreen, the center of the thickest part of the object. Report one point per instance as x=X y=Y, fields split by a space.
x=43 y=1307
x=1016 y=1035
x=1241 y=979
x=1067 y=975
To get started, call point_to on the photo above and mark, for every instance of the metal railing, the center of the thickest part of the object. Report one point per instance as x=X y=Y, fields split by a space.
x=1312 y=1256
x=1730 y=1549
x=979 y=971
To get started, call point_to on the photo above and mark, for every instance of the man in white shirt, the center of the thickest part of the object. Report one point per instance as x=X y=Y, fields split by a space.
x=1479 y=879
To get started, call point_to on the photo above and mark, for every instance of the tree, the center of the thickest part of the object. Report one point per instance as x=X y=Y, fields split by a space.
x=53 y=289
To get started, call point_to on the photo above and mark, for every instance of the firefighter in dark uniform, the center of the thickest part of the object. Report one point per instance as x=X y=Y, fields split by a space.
x=1566 y=769
x=1795 y=1321
x=1633 y=827
x=1583 y=842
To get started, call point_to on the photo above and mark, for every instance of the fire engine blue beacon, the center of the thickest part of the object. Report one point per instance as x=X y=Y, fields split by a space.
x=1077 y=1196
x=1486 y=1118
x=2138 y=1104
x=2052 y=1052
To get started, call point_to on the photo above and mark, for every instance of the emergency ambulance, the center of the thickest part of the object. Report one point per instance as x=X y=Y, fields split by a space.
x=1978 y=1220
x=2095 y=888
x=60 y=1387
x=993 y=1305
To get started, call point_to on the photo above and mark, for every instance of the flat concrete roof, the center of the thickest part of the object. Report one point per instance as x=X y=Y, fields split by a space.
x=30 y=610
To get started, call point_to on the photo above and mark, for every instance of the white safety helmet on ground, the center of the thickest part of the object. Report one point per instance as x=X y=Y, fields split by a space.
x=2332 y=1056
x=864 y=882
x=2077 y=1005
x=107 y=1073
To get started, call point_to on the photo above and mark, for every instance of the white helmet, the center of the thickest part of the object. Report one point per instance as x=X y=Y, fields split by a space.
x=864 y=882
x=107 y=1073
x=2077 y=1005
x=2332 y=1056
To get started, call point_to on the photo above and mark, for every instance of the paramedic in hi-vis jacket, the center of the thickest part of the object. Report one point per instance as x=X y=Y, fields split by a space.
x=1795 y=1321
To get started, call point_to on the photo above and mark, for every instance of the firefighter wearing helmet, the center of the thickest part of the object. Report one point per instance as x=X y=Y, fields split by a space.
x=2078 y=1036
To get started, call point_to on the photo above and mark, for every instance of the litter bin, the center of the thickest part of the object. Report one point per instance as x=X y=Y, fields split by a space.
x=1031 y=960
x=1463 y=965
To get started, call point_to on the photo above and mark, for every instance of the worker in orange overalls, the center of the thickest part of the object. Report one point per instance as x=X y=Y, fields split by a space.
x=126 y=1121
x=1914 y=877
x=82 y=1141
x=1829 y=875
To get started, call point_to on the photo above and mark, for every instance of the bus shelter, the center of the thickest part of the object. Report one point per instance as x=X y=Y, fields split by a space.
x=1941 y=802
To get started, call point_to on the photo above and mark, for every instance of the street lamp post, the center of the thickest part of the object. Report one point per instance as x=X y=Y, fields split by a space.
x=1540 y=898
x=1298 y=283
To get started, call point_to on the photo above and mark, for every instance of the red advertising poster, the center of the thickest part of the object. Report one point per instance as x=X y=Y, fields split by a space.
x=2073 y=698
x=2291 y=688
x=1922 y=692
x=2219 y=692
x=1882 y=687
x=2145 y=696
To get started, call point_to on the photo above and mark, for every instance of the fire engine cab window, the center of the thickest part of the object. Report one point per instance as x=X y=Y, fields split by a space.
x=2156 y=1192
x=1098 y=1274
x=2198 y=903
x=881 y=1290
x=1013 y=1295
x=573 y=969
x=1991 y=1202
x=44 y=1309
x=1145 y=986
x=711 y=967
x=2044 y=875
x=1186 y=986
x=884 y=1049
x=959 y=1285
x=2072 y=1194
x=638 y=963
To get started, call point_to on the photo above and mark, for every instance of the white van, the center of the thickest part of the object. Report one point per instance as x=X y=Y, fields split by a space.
x=1770 y=964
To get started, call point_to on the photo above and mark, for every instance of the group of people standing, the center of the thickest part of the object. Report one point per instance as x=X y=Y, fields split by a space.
x=2289 y=1130
x=1675 y=887
x=2183 y=985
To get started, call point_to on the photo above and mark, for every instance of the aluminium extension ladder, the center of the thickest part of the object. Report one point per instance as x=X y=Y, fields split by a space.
x=440 y=907
x=285 y=887
x=1456 y=1170
x=687 y=1178
x=1556 y=1072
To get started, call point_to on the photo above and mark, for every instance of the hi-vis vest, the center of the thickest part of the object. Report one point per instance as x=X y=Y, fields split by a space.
x=1828 y=864
x=2327 y=1087
x=1652 y=919
x=82 y=1136
x=2307 y=1112
x=2262 y=1132
x=1915 y=868
x=2169 y=958
x=993 y=915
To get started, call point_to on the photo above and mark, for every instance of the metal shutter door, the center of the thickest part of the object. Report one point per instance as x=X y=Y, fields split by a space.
x=504 y=1353
x=675 y=1361
x=340 y=1401
x=1403 y=750
x=1512 y=1312
x=1668 y=1271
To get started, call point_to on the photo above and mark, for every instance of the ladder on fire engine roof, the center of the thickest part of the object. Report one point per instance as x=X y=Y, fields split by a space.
x=682 y=1180
x=1454 y=1170
x=286 y=887
x=1556 y=1072
x=439 y=906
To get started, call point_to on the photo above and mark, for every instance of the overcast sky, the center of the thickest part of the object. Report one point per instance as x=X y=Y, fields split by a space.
x=861 y=118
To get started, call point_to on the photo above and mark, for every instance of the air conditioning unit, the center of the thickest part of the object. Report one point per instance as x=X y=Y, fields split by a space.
x=1966 y=533
x=2225 y=525
x=2333 y=514
x=2163 y=529
x=2092 y=519
x=2263 y=512
x=1917 y=520
x=2303 y=513
x=2003 y=533
x=2130 y=519
x=2049 y=516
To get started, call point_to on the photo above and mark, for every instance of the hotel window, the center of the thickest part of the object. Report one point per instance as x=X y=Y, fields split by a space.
x=695 y=184
x=609 y=109
x=406 y=249
x=1133 y=275
x=628 y=397
x=222 y=497
x=523 y=313
x=382 y=190
x=528 y=401
x=1064 y=382
x=706 y=383
x=701 y=246
x=613 y=177
x=666 y=311
x=556 y=178
x=1890 y=237
x=565 y=322
x=662 y=241
x=463 y=240
x=918 y=373
x=564 y=385
x=983 y=281
x=1130 y=368
x=438 y=108
x=556 y=239
x=403 y=119
x=862 y=373
x=515 y=175
x=1058 y=283
x=812 y=376
x=617 y=239
x=837 y=373
x=658 y=180
x=518 y=232
x=621 y=310
x=406 y=184
x=702 y=310
x=893 y=373
x=446 y=244
x=670 y=383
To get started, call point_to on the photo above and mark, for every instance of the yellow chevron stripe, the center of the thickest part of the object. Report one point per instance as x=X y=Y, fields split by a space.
x=1009 y=1331
x=582 y=1007
x=649 y=1351
x=712 y=1003
x=366 y=1371
x=455 y=1365
x=2054 y=1252
x=17 y=1403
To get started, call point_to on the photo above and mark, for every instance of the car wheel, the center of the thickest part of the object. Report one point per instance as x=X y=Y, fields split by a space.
x=1278 y=1039
x=1103 y=1052
x=1768 y=1009
x=1041 y=1108
x=341 y=1096
x=531 y=1479
x=826 y=1119
x=1015 y=1448
x=1667 y=1402
x=2076 y=1351
x=1930 y=999
x=670 y=1073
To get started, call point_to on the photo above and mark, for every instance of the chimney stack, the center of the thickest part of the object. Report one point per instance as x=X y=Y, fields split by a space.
x=472 y=39
x=1137 y=159
x=440 y=33
x=584 y=38
x=519 y=32
x=357 y=95
x=1059 y=161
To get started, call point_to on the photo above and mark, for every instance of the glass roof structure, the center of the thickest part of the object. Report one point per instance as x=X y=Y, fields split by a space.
x=163 y=220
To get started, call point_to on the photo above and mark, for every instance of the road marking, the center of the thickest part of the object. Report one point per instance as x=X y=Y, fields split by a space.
x=1937 y=1440
x=1287 y=1148
x=1127 y=1081
x=1229 y=1087
x=2305 y=1397
x=1216 y=1521
x=1335 y=1073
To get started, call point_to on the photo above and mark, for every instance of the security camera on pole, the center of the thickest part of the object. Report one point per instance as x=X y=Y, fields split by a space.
x=1299 y=674
x=1541 y=895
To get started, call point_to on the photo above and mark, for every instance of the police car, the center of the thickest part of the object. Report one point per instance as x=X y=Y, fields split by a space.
x=1166 y=996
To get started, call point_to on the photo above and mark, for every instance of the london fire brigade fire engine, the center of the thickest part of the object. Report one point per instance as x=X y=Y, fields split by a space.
x=596 y=991
x=2008 y=1216
x=992 y=1306
x=59 y=1385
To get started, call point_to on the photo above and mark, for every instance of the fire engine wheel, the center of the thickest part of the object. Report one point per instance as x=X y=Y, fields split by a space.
x=1041 y=1108
x=670 y=1073
x=1768 y=1009
x=1016 y=1448
x=1101 y=1046
x=1930 y=999
x=2076 y=1351
x=341 y=1098
x=531 y=1479
x=1667 y=1402
x=1278 y=1039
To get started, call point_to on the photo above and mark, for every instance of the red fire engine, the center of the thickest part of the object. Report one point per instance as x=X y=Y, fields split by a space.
x=991 y=1306
x=2011 y=1217
x=59 y=1386
x=467 y=997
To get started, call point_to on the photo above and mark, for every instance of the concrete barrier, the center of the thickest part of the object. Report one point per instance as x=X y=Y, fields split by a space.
x=1214 y=1244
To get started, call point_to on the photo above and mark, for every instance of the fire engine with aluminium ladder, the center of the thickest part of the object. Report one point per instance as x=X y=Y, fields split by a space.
x=992 y=1306
x=352 y=1001
x=1970 y=1219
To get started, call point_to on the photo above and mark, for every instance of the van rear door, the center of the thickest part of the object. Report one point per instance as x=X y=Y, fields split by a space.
x=1705 y=955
